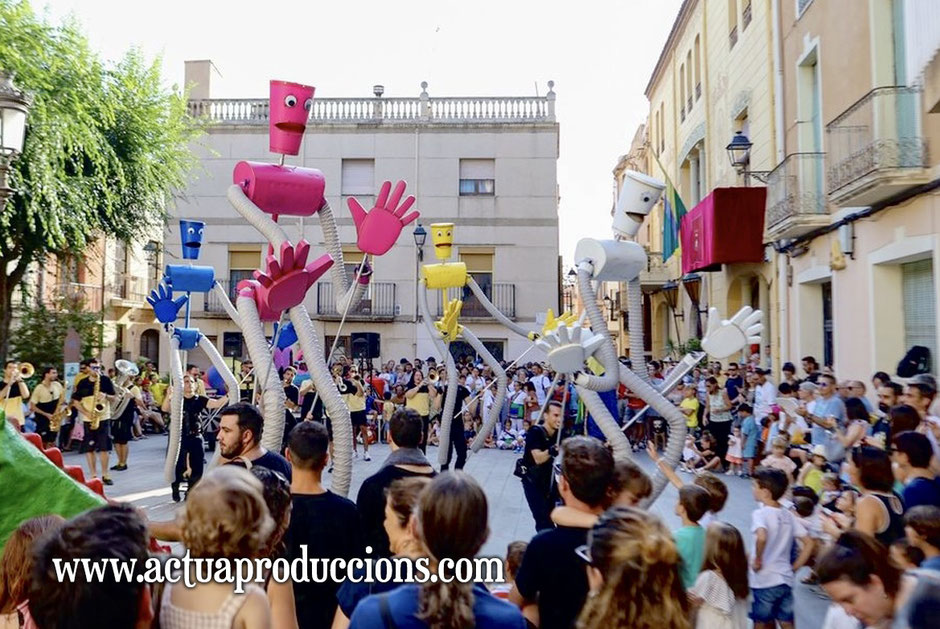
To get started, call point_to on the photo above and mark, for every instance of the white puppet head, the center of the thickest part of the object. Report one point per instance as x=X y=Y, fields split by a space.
x=638 y=194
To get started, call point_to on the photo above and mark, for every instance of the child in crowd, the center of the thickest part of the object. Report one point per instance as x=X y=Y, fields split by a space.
x=778 y=458
x=751 y=433
x=775 y=532
x=628 y=487
x=434 y=436
x=904 y=555
x=507 y=437
x=831 y=490
x=690 y=457
x=721 y=590
x=708 y=458
x=922 y=528
x=689 y=407
x=717 y=496
x=735 y=456
x=690 y=538
x=811 y=475
x=514 y=553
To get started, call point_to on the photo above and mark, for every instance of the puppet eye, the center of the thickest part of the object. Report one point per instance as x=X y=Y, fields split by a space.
x=308 y=104
x=290 y=100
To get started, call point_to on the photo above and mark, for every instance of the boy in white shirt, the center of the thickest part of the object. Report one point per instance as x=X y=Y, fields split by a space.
x=771 y=573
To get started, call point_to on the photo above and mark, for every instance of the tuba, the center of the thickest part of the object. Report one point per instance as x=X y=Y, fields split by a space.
x=127 y=371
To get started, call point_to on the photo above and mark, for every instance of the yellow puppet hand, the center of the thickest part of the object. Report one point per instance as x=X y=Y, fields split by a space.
x=448 y=326
x=552 y=323
x=447 y=275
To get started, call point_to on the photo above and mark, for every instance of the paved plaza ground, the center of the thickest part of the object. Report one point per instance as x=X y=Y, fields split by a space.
x=143 y=485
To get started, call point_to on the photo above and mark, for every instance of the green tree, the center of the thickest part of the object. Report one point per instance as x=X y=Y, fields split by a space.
x=107 y=145
x=41 y=332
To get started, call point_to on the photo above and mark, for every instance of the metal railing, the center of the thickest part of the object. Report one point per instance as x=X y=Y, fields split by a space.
x=130 y=288
x=325 y=111
x=212 y=303
x=378 y=302
x=795 y=188
x=502 y=295
x=656 y=272
x=881 y=131
x=87 y=296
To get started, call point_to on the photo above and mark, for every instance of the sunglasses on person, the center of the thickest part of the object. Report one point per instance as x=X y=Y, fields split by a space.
x=584 y=553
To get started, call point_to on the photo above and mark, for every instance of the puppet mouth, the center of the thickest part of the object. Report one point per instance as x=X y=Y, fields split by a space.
x=443 y=244
x=193 y=245
x=290 y=127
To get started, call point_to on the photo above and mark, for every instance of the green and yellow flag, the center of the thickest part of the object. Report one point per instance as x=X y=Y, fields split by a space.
x=673 y=211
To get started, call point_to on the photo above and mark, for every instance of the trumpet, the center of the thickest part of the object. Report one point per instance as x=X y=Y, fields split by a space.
x=27 y=370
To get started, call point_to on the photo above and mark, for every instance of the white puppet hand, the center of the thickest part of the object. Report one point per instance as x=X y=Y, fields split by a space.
x=569 y=346
x=724 y=338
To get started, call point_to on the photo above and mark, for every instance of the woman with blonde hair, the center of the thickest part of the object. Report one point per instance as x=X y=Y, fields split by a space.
x=16 y=565
x=451 y=523
x=225 y=517
x=633 y=574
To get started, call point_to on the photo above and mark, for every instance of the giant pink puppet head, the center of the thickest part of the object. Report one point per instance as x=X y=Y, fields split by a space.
x=289 y=109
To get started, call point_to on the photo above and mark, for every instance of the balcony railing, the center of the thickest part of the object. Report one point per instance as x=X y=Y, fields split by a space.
x=503 y=296
x=796 y=200
x=326 y=111
x=211 y=302
x=130 y=288
x=656 y=273
x=875 y=141
x=378 y=302
x=88 y=296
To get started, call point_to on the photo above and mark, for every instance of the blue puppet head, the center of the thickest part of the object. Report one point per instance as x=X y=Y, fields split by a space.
x=191 y=238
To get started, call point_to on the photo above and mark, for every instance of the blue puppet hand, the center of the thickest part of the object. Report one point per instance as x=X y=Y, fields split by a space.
x=188 y=337
x=164 y=306
x=287 y=337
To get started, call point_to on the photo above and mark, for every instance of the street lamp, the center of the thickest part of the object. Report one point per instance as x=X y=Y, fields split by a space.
x=421 y=236
x=671 y=295
x=14 y=106
x=693 y=288
x=739 y=152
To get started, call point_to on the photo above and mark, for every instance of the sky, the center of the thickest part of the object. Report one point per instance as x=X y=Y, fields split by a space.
x=599 y=53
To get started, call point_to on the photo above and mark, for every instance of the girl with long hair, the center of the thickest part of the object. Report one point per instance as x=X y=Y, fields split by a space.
x=633 y=574
x=721 y=590
x=451 y=523
x=16 y=565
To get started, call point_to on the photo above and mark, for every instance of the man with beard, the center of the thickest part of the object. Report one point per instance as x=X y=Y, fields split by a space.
x=240 y=428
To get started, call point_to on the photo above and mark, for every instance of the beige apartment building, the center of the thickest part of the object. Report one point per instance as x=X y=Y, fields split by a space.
x=857 y=211
x=838 y=100
x=487 y=164
x=714 y=77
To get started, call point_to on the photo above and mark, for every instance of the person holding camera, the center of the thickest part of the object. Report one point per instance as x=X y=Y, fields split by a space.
x=350 y=385
x=535 y=466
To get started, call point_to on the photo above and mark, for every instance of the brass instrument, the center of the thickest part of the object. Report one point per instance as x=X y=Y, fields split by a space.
x=61 y=410
x=433 y=377
x=127 y=370
x=27 y=370
x=94 y=404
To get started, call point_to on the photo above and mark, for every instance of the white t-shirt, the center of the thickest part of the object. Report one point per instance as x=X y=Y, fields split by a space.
x=488 y=399
x=542 y=384
x=764 y=397
x=782 y=528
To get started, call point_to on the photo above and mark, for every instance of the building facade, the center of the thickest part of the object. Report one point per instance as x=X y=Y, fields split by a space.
x=487 y=164
x=839 y=100
x=857 y=215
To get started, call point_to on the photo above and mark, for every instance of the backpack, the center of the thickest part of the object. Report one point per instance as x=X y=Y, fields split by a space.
x=915 y=361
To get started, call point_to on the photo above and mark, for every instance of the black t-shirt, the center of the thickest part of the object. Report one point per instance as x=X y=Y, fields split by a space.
x=328 y=525
x=86 y=388
x=274 y=461
x=463 y=393
x=371 y=504
x=192 y=409
x=554 y=575
x=305 y=407
x=537 y=439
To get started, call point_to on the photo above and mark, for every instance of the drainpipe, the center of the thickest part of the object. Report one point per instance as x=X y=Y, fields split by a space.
x=782 y=261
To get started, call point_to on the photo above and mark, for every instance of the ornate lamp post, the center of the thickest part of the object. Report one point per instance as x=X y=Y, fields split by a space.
x=420 y=235
x=739 y=152
x=14 y=107
x=671 y=295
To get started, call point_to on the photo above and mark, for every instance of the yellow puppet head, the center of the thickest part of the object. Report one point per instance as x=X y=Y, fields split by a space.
x=442 y=236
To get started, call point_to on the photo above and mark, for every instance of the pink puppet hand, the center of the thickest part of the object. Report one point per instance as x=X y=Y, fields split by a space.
x=285 y=282
x=251 y=289
x=379 y=229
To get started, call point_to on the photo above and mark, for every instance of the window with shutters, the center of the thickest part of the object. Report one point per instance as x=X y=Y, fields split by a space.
x=479 y=263
x=359 y=179
x=920 y=314
x=241 y=266
x=477 y=177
